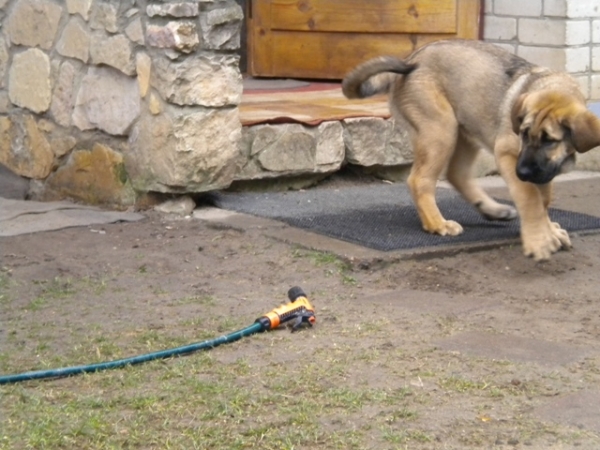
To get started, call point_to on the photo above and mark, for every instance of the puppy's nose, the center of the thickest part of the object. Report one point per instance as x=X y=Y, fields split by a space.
x=527 y=172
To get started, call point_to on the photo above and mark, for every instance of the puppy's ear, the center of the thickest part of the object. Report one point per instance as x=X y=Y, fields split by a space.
x=585 y=130
x=517 y=114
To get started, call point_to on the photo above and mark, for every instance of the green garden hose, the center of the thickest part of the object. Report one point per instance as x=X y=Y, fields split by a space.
x=119 y=363
x=298 y=309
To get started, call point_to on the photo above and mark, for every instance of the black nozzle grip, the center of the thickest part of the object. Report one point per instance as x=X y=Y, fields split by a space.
x=295 y=293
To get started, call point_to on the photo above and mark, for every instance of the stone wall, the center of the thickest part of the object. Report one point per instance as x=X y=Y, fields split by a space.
x=561 y=34
x=101 y=100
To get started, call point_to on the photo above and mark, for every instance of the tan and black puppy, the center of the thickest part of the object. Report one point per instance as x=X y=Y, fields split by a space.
x=457 y=97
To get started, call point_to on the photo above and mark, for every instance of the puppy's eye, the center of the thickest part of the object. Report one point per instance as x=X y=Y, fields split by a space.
x=545 y=139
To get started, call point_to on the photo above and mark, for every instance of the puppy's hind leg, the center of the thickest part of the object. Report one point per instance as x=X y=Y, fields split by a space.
x=460 y=175
x=433 y=148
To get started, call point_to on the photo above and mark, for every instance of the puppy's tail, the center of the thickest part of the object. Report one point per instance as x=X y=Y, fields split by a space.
x=374 y=76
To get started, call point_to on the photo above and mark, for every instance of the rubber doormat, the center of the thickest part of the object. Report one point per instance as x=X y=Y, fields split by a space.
x=382 y=217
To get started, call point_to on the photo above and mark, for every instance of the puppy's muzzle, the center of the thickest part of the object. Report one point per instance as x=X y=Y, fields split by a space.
x=534 y=168
x=533 y=173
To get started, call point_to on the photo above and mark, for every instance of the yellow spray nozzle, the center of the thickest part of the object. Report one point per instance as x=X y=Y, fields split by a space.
x=299 y=310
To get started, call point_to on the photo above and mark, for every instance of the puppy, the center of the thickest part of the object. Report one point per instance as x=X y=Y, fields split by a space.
x=457 y=97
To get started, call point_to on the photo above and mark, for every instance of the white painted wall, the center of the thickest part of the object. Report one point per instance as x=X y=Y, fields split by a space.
x=561 y=34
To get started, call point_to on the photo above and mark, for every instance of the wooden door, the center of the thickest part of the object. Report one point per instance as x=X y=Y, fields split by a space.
x=323 y=39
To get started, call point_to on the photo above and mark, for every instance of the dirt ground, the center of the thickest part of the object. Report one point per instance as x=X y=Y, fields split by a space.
x=474 y=350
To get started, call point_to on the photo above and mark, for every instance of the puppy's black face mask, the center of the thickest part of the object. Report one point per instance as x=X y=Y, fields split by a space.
x=544 y=155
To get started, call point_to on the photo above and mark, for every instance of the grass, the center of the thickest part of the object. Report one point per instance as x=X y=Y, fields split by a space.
x=330 y=388
x=4 y=285
x=462 y=385
x=195 y=401
x=205 y=300
x=59 y=288
x=195 y=404
x=332 y=264
x=202 y=402
x=404 y=436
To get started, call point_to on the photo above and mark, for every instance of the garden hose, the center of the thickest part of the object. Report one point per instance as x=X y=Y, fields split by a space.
x=299 y=310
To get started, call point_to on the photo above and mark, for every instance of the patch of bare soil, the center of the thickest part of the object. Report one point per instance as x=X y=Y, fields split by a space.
x=378 y=370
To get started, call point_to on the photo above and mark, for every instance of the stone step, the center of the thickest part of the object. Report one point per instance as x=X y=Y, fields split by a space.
x=292 y=132
x=293 y=128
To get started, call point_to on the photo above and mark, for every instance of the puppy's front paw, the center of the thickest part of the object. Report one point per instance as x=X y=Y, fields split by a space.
x=545 y=241
x=446 y=228
x=561 y=234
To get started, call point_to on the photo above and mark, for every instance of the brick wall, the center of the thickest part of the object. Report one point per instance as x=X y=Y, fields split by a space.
x=561 y=34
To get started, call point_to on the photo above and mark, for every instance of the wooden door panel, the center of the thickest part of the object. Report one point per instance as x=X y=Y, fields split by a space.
x=324 y=39
x=375 y=16
x=334 y=53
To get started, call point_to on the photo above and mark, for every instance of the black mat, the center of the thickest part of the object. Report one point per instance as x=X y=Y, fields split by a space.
x=382 y=217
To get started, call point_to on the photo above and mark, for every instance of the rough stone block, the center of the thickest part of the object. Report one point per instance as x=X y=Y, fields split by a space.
x=182 y=206
x=221 y=26
x=81 y=7
x=154 y=104
x=63 y=99
x=143 y=65
x=291 y=149
x=29 y=80
x=107 y=100
x=372 y=141
x=61 y=145
x=331 y=149
x=75 y=40
x=131 y=12
x=4 y=56
x=205 y=80
x=180 y=36
x=115 y=51
x=96 y=176
x=23 y=147
x=184 y=151
x=104 y=17
x=176 y=9
x=135 y=32
x=34 y=23
x=4 y=102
